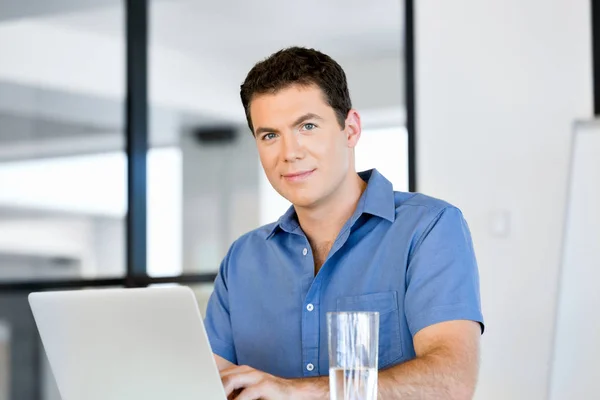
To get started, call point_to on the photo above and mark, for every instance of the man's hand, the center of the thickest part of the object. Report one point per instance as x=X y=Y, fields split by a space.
x=246 y=383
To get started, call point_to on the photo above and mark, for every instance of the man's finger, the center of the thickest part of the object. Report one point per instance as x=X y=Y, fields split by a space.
x=240 y=380
x=254 y=392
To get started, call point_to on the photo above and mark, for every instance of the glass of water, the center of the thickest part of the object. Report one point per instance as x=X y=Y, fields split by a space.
x=353 y=355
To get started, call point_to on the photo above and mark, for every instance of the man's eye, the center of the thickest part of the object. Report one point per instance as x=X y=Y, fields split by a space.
x=309 y=126
x=269 y=136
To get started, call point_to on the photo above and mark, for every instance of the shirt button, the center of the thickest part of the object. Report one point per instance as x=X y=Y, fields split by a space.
x=310 y=367
x=305 y=251
x=310 y=307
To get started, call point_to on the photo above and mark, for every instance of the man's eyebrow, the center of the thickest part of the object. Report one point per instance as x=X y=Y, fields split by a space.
x=264 y=129
x=299 y=120
x=305 y=117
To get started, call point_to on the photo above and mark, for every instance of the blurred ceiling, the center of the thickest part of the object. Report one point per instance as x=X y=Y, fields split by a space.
x=236 y=30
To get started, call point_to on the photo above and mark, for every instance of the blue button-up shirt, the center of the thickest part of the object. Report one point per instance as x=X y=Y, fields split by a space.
x=405 y=255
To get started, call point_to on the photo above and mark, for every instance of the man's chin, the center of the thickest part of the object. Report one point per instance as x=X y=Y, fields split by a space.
x=304 y=202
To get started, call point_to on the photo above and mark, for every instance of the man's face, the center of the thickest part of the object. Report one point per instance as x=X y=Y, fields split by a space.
x=305 y=153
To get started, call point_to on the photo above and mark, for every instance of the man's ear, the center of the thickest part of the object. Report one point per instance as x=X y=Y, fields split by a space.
x=353 y=128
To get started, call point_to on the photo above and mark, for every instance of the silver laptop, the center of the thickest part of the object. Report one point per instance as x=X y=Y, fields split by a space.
x=127 y=344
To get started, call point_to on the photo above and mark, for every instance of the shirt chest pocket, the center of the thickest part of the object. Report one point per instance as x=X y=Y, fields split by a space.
x=386 y=303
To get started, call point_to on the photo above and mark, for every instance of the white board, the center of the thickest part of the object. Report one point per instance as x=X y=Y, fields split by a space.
x=576 y=362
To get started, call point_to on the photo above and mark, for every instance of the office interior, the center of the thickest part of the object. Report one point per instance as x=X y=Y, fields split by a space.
x=477 y=103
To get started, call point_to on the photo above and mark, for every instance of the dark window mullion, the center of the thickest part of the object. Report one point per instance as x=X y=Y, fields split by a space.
x=595 y=7
x=409 y=59
x=136 y=134
x=135 y=281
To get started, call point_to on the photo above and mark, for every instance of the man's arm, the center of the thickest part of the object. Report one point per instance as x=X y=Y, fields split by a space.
x=446 y=366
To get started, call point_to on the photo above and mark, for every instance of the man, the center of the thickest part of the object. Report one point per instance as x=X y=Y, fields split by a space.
x=348 y=243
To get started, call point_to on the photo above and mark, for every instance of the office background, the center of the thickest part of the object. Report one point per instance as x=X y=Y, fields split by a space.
x=470 y=101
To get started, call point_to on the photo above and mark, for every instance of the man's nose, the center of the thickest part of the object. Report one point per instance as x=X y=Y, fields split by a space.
x=292 y=147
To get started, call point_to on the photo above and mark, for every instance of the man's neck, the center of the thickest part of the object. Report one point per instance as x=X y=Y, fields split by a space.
x=323 y=223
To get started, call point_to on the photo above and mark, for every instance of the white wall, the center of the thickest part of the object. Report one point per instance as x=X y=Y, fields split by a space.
x=499 y=85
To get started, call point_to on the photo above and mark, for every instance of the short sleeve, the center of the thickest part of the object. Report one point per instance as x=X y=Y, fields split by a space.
x=442 y=276
x=217 y=321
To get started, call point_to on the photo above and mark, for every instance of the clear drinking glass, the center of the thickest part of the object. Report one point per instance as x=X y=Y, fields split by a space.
x=353 y=355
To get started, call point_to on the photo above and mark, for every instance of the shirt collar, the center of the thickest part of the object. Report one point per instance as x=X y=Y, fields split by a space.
x=377 y=199
x=378 y=196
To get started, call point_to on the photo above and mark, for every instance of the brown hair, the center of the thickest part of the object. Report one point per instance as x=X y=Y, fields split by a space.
x=302 y=66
